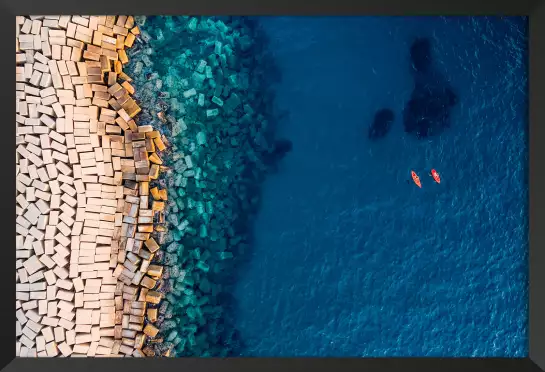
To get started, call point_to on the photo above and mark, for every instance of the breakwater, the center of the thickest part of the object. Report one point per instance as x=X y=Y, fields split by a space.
x=87 y=221
x=203 y=81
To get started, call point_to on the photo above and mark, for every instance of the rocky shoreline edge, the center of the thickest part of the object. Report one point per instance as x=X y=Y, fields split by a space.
x=90 y=218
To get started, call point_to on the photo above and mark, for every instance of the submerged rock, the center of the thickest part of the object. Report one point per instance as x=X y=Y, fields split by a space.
x=215 y=108
x=428 y=110
x=278 y=151
x=381 y=124
x=421 y=57
x=282 y=147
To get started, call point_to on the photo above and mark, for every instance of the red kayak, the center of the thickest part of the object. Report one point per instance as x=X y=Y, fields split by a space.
x=435 y=176
x=416 y=179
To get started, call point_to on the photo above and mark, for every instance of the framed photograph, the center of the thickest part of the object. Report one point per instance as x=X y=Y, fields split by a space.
x=275 y=186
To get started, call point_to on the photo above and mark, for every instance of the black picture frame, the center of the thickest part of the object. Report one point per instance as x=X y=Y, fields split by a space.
x=535 y=9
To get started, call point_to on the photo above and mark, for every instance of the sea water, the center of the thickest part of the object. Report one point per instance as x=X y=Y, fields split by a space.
x=332 y=250
x=350 y=259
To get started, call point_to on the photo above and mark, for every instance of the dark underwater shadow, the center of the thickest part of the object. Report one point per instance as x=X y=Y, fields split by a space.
x=382 y=123
x=428 y=111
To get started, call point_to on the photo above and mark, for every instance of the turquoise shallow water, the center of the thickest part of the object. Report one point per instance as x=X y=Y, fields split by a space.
x=341 y=257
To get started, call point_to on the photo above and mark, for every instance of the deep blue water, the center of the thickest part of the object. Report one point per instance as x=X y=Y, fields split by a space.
x=349 y=259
